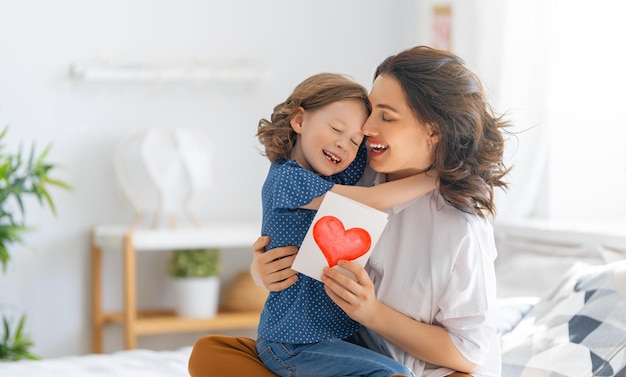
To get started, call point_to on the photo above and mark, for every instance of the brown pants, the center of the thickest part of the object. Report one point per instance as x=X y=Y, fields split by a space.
x=227 y=356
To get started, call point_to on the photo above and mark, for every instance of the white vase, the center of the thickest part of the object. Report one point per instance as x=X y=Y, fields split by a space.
x=196 y=297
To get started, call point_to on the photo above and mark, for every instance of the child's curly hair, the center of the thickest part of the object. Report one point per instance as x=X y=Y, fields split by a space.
x=313 y=93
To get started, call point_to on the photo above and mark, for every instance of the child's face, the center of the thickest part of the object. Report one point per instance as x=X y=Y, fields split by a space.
x=329 y=137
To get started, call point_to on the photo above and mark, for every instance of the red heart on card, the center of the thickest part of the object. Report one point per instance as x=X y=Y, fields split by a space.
x=337 y=243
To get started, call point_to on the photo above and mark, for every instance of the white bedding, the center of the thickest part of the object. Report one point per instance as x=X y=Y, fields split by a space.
x=133 y=363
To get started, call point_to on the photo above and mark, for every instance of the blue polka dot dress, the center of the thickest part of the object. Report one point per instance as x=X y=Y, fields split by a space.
x=302 y=313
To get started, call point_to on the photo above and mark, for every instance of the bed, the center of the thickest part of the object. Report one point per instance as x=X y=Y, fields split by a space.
x=131 y=363
x=563 y=298
x=562 y=290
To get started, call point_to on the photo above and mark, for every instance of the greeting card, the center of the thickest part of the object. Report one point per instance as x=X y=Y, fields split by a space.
x=342 y=229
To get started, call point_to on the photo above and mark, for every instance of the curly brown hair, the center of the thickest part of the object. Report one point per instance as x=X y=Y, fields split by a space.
x=444 y=93
x=315 y=92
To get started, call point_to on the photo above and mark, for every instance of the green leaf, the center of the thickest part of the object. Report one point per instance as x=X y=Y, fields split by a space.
x=15 y=344
x=18 y=179
x=57 y=183
x=43 y=154
x=20 y=203
x=20 y=327
x=7 y=331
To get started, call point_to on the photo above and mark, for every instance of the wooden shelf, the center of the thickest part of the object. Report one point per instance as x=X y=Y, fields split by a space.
x=135 y=321
x=165 y=321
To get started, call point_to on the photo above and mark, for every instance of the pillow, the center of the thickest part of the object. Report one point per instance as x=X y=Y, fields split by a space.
x=578 y=329
x=548 y=261
x=511 y=310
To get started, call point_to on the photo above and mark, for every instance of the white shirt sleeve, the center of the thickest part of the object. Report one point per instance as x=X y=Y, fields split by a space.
x=468 y=309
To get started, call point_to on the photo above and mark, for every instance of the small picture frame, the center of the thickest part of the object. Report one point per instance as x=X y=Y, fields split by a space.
x=442 y=27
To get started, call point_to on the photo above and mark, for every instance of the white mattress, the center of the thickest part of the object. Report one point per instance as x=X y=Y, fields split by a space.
x=133 y=363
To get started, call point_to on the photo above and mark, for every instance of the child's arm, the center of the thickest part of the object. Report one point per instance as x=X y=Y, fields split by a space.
x=385 y=195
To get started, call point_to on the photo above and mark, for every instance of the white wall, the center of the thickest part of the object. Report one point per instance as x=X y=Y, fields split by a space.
x=587 y=102
x=48 y=277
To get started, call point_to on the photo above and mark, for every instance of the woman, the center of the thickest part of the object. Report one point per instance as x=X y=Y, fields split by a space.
x=427 y=294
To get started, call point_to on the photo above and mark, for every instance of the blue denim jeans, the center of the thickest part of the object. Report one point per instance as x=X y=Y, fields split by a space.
x=331 y=358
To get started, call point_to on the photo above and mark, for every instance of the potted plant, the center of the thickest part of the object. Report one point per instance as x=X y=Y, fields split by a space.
x=19 y=177
x=195 y=274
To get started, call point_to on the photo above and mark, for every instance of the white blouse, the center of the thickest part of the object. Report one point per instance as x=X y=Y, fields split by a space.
x=434 y=263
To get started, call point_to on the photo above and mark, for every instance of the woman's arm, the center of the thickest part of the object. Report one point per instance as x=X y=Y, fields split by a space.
x=272 y=269
x=429 y=343
x=385 y=195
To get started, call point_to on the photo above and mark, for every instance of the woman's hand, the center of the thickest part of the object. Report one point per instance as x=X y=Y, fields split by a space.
x=272 y=269
x=356 y=298
x=430 y=343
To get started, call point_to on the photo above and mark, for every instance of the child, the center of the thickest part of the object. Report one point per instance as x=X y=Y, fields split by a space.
x=315 y=144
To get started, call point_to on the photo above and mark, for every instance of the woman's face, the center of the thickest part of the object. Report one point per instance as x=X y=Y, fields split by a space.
x=398 y=144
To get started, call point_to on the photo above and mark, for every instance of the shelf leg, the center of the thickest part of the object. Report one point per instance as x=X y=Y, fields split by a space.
x=130 y=293
x=96 y=296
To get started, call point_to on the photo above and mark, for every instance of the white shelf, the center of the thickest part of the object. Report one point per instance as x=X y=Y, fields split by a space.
x=219 y=235
x=236 y=70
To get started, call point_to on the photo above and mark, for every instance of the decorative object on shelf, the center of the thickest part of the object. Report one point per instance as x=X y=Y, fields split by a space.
x=161 y=171
x=20 y=177
x=243 y=295
x=196 y=282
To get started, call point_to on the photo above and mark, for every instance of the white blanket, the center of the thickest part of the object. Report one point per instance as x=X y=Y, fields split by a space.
x=133 y=363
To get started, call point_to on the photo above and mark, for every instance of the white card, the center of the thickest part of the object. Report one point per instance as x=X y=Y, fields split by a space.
x=342 y=229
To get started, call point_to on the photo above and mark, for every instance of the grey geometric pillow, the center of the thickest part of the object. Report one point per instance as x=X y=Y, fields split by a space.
x=578 y=330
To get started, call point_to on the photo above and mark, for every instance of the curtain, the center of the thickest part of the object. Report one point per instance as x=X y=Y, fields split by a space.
x=557 y=70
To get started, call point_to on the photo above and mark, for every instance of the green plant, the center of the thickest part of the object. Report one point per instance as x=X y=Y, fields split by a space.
x=15 y=343
x=195 y=263
x=18 y=178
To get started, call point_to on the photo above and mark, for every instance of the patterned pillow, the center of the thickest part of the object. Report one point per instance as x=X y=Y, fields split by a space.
x=579 y=329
